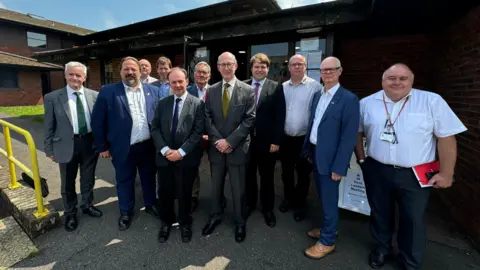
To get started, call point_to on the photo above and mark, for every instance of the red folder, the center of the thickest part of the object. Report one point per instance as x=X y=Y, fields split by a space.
x=423 y=171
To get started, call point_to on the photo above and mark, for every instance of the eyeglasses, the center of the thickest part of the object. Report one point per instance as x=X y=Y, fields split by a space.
x=297 y=64
x=224 y=65
x=329 y=70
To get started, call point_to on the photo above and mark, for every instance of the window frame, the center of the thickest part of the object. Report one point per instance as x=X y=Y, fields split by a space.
x=38 y=33
x=16 y=75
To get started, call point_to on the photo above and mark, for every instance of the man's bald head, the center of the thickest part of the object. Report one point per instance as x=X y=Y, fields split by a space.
x=395 y=66
x=330 y=69
x=332 y=60
x=397 y=81
x=227 y=65
x=145 y=68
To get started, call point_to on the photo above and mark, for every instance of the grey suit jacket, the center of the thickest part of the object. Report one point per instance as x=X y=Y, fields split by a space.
x=191 y=124
x=236 y=127
x=58 y=127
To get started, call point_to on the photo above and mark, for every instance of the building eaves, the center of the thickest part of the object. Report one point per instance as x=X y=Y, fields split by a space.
x=22 y=61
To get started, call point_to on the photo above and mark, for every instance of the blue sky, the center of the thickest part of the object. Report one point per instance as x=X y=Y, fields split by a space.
x=105 y=14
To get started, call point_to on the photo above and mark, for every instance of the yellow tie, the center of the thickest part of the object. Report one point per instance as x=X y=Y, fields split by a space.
x=225 y=100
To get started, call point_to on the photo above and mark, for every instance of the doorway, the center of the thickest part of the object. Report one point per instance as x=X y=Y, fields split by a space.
x=46 y=86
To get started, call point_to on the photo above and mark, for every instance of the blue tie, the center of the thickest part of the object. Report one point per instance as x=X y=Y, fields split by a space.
x=175 y=118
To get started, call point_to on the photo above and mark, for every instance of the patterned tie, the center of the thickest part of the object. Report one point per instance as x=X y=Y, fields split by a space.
x=82 y=121
x=205 y=95
x=257 y=87
x=175 y=118
x=225 y=100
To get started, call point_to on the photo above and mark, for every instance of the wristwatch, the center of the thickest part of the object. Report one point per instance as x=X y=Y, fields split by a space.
x=360 y=161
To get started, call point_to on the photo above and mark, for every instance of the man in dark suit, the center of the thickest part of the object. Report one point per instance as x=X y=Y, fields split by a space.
x=177 y=130
x=330 y=141
x=121 y=127
x=230 y=113
x=266 y=136
x=69 y=142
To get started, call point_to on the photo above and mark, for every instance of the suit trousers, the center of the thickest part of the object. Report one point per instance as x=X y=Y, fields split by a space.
x=196 y=182
x=175 y=181
x=387 y=186
x=84 y=157
x=141 y=157
x=290 y=151
x=236 y=174
x=265 y=162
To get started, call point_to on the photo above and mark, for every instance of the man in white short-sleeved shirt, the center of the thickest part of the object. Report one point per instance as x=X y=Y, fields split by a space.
x=403 y=127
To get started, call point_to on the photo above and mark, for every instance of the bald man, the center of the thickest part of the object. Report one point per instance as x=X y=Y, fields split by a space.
x=145 y=69
x=329 y=143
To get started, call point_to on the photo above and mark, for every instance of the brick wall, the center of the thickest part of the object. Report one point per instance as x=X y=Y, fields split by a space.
x=94 y=79
x=29 y=91
x=458 y=81
x=57 y=80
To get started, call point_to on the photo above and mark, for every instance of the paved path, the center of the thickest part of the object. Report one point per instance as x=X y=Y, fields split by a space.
x=97 y=243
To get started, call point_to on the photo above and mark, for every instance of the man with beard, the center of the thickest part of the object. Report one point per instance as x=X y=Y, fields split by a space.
x=146 y=68
x=121 y=122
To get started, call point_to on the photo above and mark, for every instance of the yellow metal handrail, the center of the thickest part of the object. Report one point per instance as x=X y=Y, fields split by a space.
x=12 y=161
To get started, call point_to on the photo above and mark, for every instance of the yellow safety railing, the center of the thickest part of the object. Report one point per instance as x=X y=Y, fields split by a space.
x=12 y=161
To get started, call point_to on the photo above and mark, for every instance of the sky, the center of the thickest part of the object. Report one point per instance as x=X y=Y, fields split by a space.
x=100 y=15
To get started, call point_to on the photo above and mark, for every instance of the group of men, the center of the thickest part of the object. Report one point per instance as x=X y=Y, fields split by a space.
x=161 y=128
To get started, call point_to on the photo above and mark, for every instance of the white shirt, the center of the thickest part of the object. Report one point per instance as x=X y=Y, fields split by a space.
x=322 y=105
x=425 y=117
x=72 y=104
x=180 y=107
x=149 y=80
x=298 y=99
x=259 y=87
x=138 y=111
x=201 y=92
x=230 y=88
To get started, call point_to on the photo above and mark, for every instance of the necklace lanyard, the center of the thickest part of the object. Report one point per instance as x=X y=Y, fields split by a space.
x=388 y=114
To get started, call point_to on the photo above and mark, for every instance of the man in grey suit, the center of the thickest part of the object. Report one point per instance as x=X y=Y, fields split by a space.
x=176 y=131
x=229 y=115
x=68 y=141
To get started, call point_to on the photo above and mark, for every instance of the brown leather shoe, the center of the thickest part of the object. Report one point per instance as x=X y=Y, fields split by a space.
x=314 y=233
x=318 y=251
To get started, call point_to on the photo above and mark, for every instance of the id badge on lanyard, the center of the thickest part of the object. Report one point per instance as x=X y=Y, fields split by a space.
x=389 y=135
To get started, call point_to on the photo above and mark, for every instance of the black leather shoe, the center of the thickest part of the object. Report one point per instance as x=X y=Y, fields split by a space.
x=194 y=204
x=164 y=233
x=92 y=211
x=152 y=210
x=240 y=233
x=270 y=219
x=124 y=222
x=71 y=223
x=284 y=206
x=299 y=215
x=377 y=260
x=210 y=226
x=186 y=232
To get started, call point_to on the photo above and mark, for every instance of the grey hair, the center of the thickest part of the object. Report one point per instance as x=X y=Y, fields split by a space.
x=228 y=53
x=73 y=64
x=205 y=64
x=339 y=64
x=394 y=65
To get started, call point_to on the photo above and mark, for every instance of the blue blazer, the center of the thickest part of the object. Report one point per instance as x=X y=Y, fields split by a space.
x=193 y=89
x=111 y=119
x=336 y=133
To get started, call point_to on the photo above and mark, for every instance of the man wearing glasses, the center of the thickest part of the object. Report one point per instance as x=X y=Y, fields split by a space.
x=229 y=115
x=299 y=91
x=330 y=141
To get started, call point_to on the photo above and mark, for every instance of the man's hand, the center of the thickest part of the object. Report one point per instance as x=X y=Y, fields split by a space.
x=274 y=148
x=169 y=152
x=336 y=177
x=441 y=180
x=228 y=150
x=222 y=145
x=205 y=137
x=174 y=156
x=52 y=158
x=105 y=154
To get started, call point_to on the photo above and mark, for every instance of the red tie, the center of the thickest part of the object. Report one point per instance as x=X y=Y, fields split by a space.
x=205 y=95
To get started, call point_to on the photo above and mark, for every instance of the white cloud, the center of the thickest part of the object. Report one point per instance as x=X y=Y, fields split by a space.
x=109 y=21
x=2 y=5
x=298 y=3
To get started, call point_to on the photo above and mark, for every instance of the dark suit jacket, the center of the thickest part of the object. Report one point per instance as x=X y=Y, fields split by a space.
x=193 y=90
x=270 y=115
x=336 y=134
x=236 y=127
x=58 y=123
x=111 y=119
x=191 y=125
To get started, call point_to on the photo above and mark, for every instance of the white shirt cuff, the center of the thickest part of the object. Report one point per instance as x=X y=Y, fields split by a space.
x=180 y=150
x=164 y=150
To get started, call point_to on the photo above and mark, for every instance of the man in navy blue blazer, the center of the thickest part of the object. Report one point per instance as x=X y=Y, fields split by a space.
x=121 y=122
x=329 y=143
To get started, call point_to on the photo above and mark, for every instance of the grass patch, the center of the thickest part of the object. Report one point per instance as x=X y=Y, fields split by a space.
x=35 y=112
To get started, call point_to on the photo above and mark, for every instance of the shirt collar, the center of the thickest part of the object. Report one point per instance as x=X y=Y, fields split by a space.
x=381 y=93
x=204 y=88
x=332 y=90
x=70 y=91
x=262 y=82
x=231 y=83
x=301 y=82
x=182 y=97
x=128 y=88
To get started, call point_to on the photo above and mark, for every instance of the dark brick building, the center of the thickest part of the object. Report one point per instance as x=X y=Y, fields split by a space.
x=439 y=40
x=24 y=80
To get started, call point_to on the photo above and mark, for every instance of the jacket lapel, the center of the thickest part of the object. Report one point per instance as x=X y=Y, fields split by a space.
x=333 y=103
x=233 y=99
x=123 y=97
x=169 y=112
x=63 y=98
x=185 y=110
x=265 y=90
x=89 y=98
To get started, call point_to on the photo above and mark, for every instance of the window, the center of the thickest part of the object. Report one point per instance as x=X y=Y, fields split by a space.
x=36 y=40
x=108 y=72
x=314 y=51
x=8 y=78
